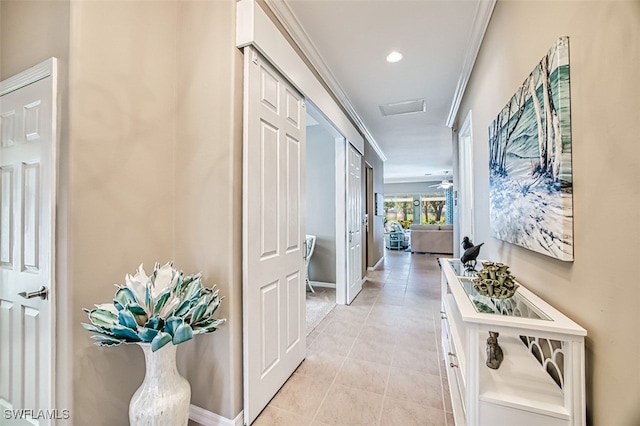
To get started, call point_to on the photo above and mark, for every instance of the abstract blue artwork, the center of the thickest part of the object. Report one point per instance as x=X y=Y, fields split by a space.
x=530 y=177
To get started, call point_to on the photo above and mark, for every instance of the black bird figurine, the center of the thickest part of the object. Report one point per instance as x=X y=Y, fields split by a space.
x=469 y=257
x=466 y=243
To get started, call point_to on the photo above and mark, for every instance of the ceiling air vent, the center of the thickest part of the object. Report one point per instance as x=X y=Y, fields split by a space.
x=404 y=107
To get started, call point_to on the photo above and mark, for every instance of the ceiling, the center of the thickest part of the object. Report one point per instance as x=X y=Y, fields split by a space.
x=347 y=41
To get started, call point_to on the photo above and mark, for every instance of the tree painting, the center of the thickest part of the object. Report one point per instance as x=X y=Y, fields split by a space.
x=531 y=185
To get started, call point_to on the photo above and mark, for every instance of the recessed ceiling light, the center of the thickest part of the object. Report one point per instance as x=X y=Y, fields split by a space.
x=394 y=56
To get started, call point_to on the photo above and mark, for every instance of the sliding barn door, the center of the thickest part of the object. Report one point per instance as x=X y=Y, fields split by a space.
x=273 y=232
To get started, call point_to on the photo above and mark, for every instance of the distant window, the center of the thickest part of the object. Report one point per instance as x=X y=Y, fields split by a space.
x=399 y=208
x=433 y=209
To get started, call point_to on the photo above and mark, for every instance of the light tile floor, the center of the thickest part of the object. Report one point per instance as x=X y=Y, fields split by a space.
x=377 y=361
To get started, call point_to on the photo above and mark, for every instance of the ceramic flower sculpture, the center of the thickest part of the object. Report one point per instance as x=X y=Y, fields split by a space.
x=161 y=308
x=495 y=281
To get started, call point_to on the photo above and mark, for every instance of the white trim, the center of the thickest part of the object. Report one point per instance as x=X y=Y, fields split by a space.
x=322 y=284
x=480 y=23
x=374 y=267
x=341 y=221
x=465 y=179
x=291 y=23
x=315 y=113
x=253 y=27
x=29 y=76
x=209 y=418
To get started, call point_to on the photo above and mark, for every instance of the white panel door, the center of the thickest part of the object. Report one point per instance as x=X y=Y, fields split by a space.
x=465 y=183
x=354 y=223
x=26 y=253
x=273 y=233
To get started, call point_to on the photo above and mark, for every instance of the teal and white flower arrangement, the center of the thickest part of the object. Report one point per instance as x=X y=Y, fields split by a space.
x=164 y=307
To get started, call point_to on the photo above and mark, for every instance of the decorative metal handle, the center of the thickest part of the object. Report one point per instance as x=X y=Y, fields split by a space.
x=304 y=248
x=42 y=293
x=452 y=365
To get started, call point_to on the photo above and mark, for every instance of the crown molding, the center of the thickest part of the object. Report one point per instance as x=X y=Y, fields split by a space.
x=481 y=20
x=291 y=24
x=259 y=31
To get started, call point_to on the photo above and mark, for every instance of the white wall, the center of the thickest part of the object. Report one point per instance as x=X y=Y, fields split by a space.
x=150 y=170
x=599 y=290
x=122 y=121
x=321 y=204
x=208 y=193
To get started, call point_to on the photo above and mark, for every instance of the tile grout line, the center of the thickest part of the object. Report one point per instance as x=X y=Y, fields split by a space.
x=333 y=382
x=386 y=384
x=393 y=355
x=391 y=281
x=438 y=355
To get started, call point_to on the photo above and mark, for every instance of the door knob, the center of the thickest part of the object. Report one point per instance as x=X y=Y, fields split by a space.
x=42 y=293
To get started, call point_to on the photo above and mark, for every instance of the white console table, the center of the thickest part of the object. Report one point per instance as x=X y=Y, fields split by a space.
x=540 y=381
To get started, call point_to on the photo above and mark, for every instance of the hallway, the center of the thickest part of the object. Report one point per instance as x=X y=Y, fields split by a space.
x=377 y=361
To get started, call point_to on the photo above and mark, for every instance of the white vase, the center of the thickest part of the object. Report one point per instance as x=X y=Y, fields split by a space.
x=164 y=396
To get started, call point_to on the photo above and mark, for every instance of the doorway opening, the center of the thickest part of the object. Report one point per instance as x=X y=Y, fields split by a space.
x=325 y=212
x=465 y=186
x=274 y=76
x=320 y=217
x=368 y=216
x=333 y=211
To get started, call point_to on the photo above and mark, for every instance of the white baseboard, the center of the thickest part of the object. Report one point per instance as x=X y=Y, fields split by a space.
x=376 y=265
x=209 y=418
x=322 y=284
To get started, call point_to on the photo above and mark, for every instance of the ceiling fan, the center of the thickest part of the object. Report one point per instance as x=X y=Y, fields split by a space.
x=445 y=184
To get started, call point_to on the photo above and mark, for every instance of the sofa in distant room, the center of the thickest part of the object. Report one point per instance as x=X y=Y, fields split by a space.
x=432 y=239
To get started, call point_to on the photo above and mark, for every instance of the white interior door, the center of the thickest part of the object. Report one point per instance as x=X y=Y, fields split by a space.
x=27 y=158
x=465 y=184
x=273 y=233
x=354 y=223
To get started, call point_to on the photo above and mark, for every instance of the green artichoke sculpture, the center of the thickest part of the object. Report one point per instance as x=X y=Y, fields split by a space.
x=166 y=306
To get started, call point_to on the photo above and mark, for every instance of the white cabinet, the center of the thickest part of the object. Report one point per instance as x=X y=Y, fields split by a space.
x=540 y=381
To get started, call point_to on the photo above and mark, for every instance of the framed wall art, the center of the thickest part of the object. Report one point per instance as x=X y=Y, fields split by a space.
x=530 y=176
